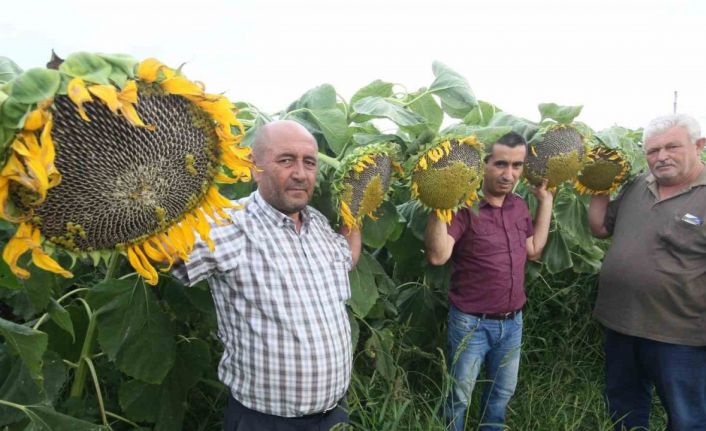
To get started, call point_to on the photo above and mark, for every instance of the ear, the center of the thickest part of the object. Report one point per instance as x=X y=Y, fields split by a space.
x=700 y=144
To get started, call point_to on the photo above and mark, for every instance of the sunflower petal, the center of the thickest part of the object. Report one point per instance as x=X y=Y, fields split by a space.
x=149 y=69
x=182 y=86
x=78 y=94
x=44 y=261
x=108 y=95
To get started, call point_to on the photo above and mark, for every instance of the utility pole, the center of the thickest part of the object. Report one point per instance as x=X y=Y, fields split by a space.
x=675 y=101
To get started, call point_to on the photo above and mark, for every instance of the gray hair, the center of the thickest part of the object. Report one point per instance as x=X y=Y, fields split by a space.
x=666 y=122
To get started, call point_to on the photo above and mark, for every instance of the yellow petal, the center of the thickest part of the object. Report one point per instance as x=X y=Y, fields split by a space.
x=42 y=260
x=48 y=154
x=35 y=120
x=78 y=94
x=182 y=86
x=148 y=70
x=137 y=263
x=203 y=228
x=128 y=93
x=130 y=114
x=108 y=94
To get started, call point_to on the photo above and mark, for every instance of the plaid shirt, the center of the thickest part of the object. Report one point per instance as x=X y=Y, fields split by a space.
x=281 y=303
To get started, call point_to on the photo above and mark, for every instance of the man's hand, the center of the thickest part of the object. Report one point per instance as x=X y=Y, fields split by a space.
x=541 y=192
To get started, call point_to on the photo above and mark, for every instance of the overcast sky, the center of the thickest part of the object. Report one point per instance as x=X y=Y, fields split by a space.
x=621 y=59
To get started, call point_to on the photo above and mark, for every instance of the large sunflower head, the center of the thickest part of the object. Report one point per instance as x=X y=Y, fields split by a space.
x=557 y=153
x=363 y=180
x=111 y=154
x=448 y=174
x=605 y=170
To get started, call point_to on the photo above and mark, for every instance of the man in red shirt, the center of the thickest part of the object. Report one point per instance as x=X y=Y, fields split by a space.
x=488 y=251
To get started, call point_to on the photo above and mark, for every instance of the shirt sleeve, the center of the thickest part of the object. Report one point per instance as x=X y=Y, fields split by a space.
x=200 y=264
x=459 y=224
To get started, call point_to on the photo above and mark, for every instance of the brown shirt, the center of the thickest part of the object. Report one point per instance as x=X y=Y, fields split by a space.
x=489 y=257
x=653 y=280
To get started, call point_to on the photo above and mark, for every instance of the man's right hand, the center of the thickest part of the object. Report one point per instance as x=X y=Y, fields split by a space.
x=597 y=208
x=439 y=244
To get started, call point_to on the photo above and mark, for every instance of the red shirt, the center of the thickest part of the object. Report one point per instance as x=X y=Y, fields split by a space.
x=489 y=257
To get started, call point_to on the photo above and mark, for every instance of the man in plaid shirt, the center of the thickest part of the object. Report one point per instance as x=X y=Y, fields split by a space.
x=279 y=279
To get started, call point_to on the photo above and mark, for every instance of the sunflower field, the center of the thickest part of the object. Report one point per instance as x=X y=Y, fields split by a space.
x=94 y=332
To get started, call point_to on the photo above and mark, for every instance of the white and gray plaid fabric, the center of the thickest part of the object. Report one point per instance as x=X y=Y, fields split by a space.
x=280 y=299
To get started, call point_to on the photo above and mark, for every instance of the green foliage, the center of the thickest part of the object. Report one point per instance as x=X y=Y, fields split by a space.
x=113 y=351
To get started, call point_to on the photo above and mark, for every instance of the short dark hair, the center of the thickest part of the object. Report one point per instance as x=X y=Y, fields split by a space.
x=510 y=139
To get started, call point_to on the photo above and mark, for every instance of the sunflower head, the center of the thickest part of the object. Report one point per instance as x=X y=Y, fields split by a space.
x=557 y=152
x=447 y=175
x=112 y=154
x=605 y=170
x=363 y=180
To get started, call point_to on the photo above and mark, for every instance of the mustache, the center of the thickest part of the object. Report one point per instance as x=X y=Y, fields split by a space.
x=662 y=164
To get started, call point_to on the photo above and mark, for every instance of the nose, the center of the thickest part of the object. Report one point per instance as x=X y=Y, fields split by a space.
x=298 y=170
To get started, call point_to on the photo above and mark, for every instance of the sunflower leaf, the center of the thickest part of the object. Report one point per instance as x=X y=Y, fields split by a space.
x=12 y=113
x=379 y=107
x=89 y=67
x=364 y=292
x=133 y=330
x=29 y=344
x=456 y=96
x=8 y=70
x=333 y=125
x=35 y=85
x=560 y=114
x=376 y=88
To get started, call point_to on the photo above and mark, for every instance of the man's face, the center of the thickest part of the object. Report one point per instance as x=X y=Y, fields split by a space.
x=287 y=166
x=503 y=169
x=672 y=156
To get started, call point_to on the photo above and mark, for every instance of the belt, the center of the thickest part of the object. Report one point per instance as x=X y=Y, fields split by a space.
x=323 y=413
x=497 y=316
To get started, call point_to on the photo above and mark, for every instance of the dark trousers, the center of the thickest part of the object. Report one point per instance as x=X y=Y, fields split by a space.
x=633 y=365
x=240 y=418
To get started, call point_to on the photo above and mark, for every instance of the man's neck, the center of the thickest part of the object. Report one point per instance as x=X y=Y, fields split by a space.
x=493 y=200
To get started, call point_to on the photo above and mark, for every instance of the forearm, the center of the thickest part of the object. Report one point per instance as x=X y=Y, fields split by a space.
x=437 y=241
x=542 y=221
x=597 y=208
x=353 y=236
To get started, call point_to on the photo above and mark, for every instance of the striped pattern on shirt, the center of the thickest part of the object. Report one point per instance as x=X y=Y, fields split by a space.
x=280 y=298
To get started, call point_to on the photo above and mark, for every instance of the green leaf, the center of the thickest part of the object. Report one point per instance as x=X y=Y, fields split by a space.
x=519 y=125
x=560 y=114
x=355 y=329
x=333 y=125
x=482 y=114
x=29 y=344
x=89 y=67
x=427 y=107
x=376 y=88
x=420 y=308
x=8 y=280
x=364 y=292
x=133 y=330
x=379 y=345
x=17 y=388
x=379 y=107
x=12 y=113
x=8 y=70
x=321 y=97
x=362 y=139
x=164 y=404
x=44 y=418
x=456 y=96
x=35 y=85
x=123 y=63
x=556 y=254
x=375 y=233
x=61 y=317
x=139 y=400
x=572 y=216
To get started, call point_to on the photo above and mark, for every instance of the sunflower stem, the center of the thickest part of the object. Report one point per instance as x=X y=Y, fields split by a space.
x=80 y=376
x=329 y=161
x=112 y=265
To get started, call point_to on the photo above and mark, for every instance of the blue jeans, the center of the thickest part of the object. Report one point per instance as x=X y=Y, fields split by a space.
x=678 y=373
x=473 y=341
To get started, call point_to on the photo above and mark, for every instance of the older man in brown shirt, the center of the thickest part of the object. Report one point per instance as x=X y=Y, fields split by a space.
x=652 y=291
